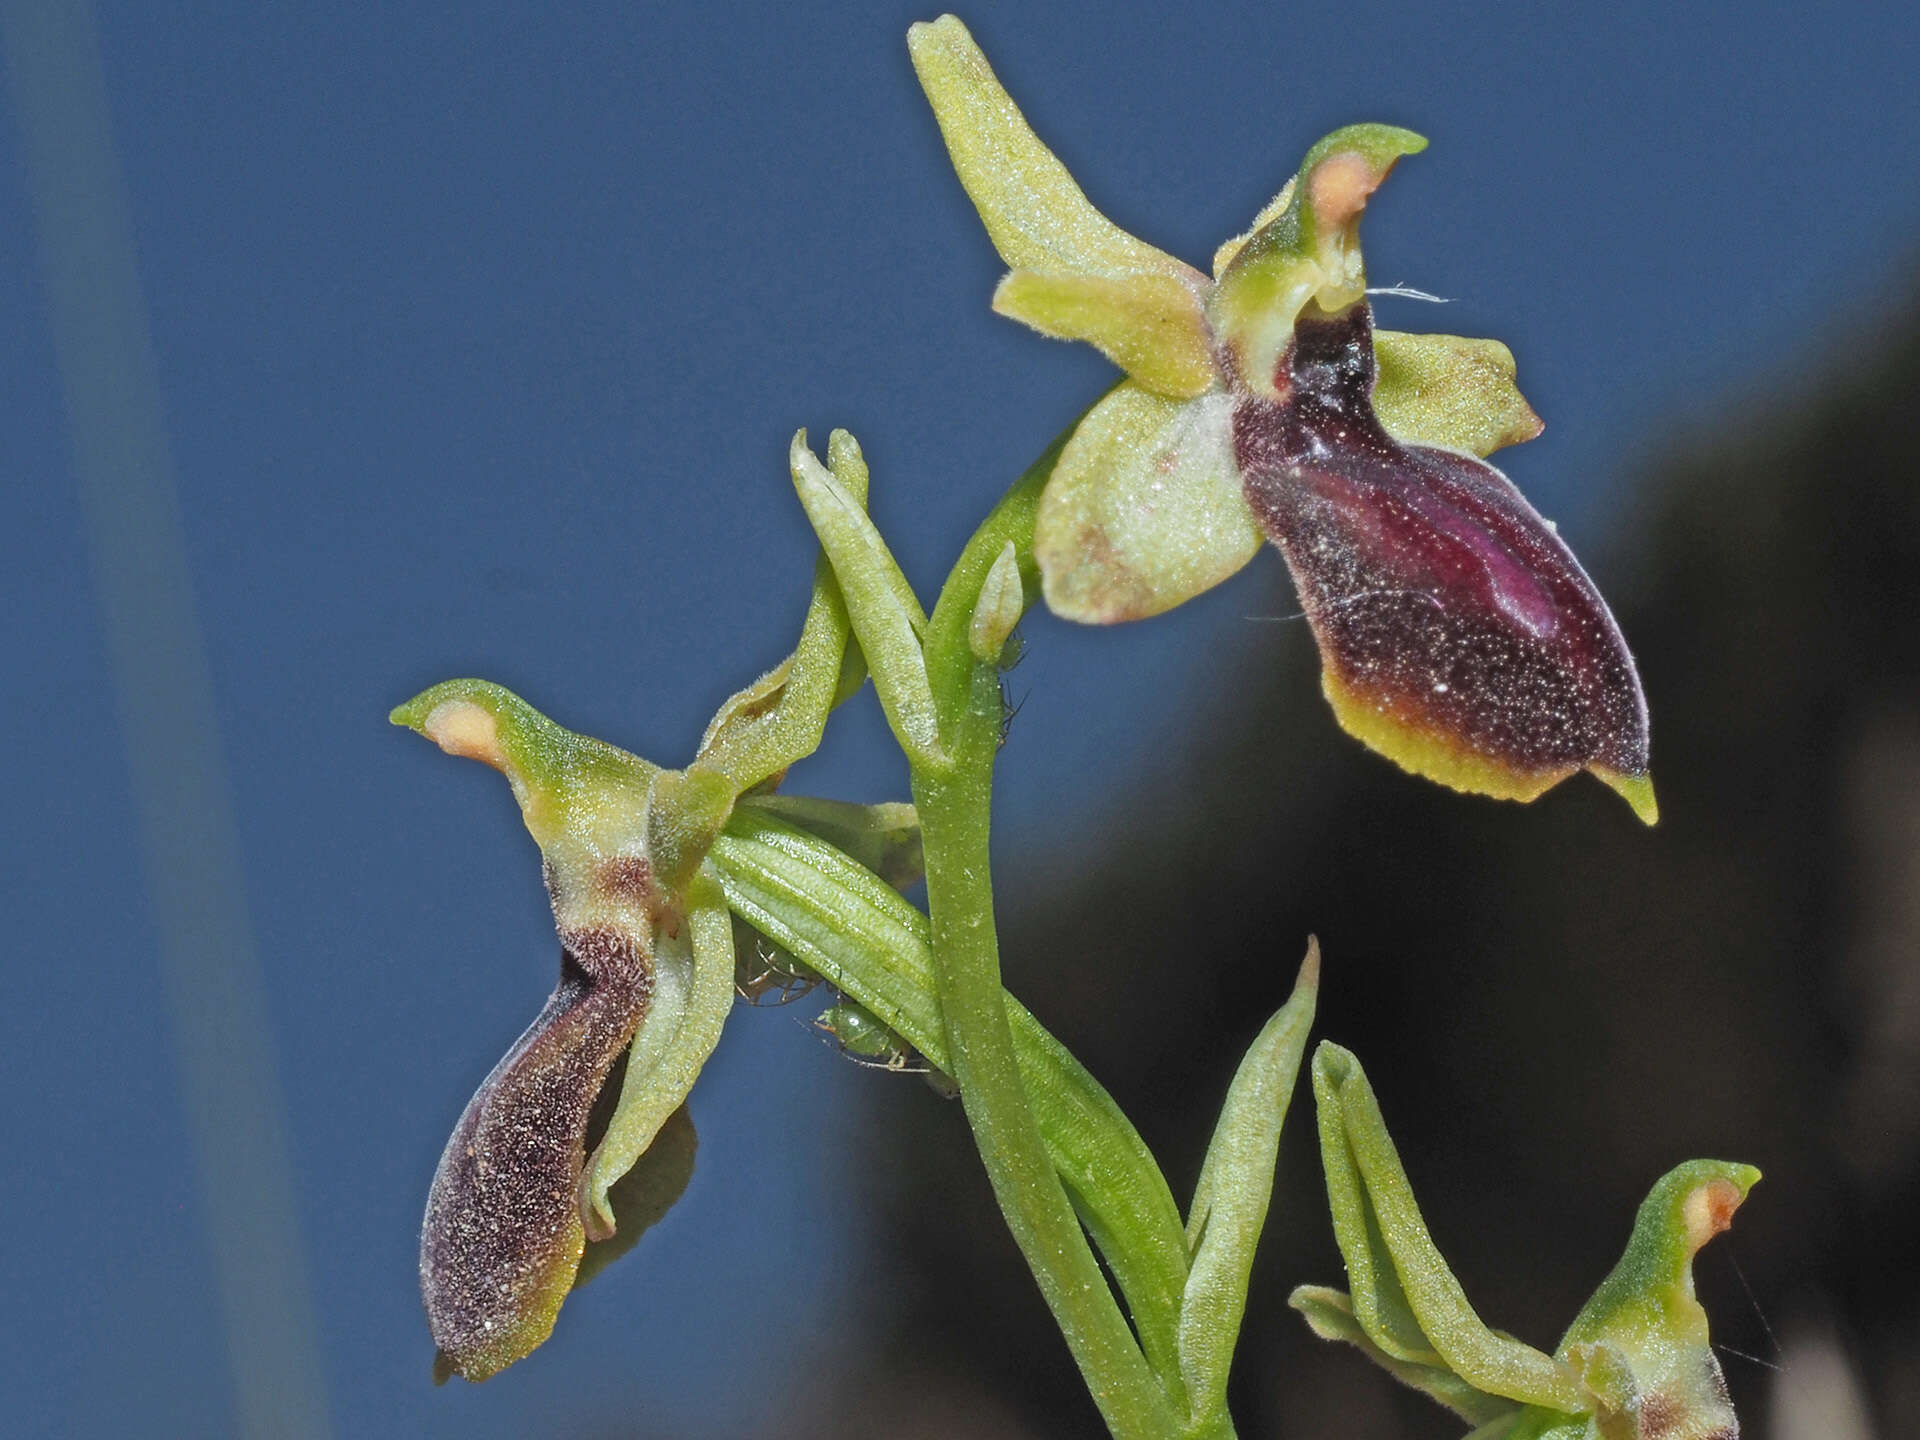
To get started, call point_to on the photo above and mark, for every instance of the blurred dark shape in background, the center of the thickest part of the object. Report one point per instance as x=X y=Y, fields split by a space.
x=1555 y=1004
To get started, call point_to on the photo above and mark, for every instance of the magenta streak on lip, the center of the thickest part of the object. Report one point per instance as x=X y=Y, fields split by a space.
x=1433 y=587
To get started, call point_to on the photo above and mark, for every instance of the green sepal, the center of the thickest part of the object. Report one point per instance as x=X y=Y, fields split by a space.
x=1329 y=1313
x=1154 y=327
x=641 y=1198
x=1036 y=216
x=1450 y=392
x=1405 y=1298
x=1233 y=1193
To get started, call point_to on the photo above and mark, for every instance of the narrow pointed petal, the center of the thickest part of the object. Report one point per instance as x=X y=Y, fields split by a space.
x=1459 y=636
x=1450 y=392
x=502 y=1237
x=1036 y=215
x=1152 y=326
x=1144 y=509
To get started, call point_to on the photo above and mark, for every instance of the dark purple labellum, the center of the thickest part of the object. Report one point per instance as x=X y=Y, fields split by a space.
x=503 y=1237
x=1459 y=636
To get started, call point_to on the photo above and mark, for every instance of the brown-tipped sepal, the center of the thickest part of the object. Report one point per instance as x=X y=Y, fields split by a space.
x=502 y=1237
x=1459 y=636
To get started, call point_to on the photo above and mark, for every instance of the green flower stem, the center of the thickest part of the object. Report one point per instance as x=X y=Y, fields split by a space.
x=954 y=804
x=866 y=940
x=954 y=795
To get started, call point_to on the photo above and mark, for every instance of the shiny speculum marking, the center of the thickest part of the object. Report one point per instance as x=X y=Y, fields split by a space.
x=1459 y=635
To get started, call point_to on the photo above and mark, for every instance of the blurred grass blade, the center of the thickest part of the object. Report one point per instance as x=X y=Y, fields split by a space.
x=221 y=1028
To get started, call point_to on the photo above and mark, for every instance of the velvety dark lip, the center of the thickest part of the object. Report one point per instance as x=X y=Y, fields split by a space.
x=502 y=1232
x=1438 y=595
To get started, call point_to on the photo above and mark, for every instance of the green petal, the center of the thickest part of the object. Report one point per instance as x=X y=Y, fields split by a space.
x=1145 y=508
x=1451 y=392
x=1035 y=214
x=1152 y=326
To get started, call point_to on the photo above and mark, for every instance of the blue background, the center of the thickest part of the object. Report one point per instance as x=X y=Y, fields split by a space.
x=480 y=333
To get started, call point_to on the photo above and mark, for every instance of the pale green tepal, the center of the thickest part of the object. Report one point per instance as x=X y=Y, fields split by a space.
x=1635 y=1365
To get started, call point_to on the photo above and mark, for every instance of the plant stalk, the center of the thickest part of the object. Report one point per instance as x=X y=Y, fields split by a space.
x=954 y=798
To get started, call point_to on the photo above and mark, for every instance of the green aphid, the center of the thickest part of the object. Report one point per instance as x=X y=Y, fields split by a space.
x=866 y=1038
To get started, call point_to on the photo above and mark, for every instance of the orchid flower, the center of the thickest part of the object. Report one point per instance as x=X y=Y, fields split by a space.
x=1458 y=635
x=646 y=965
x=1637 y=1362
